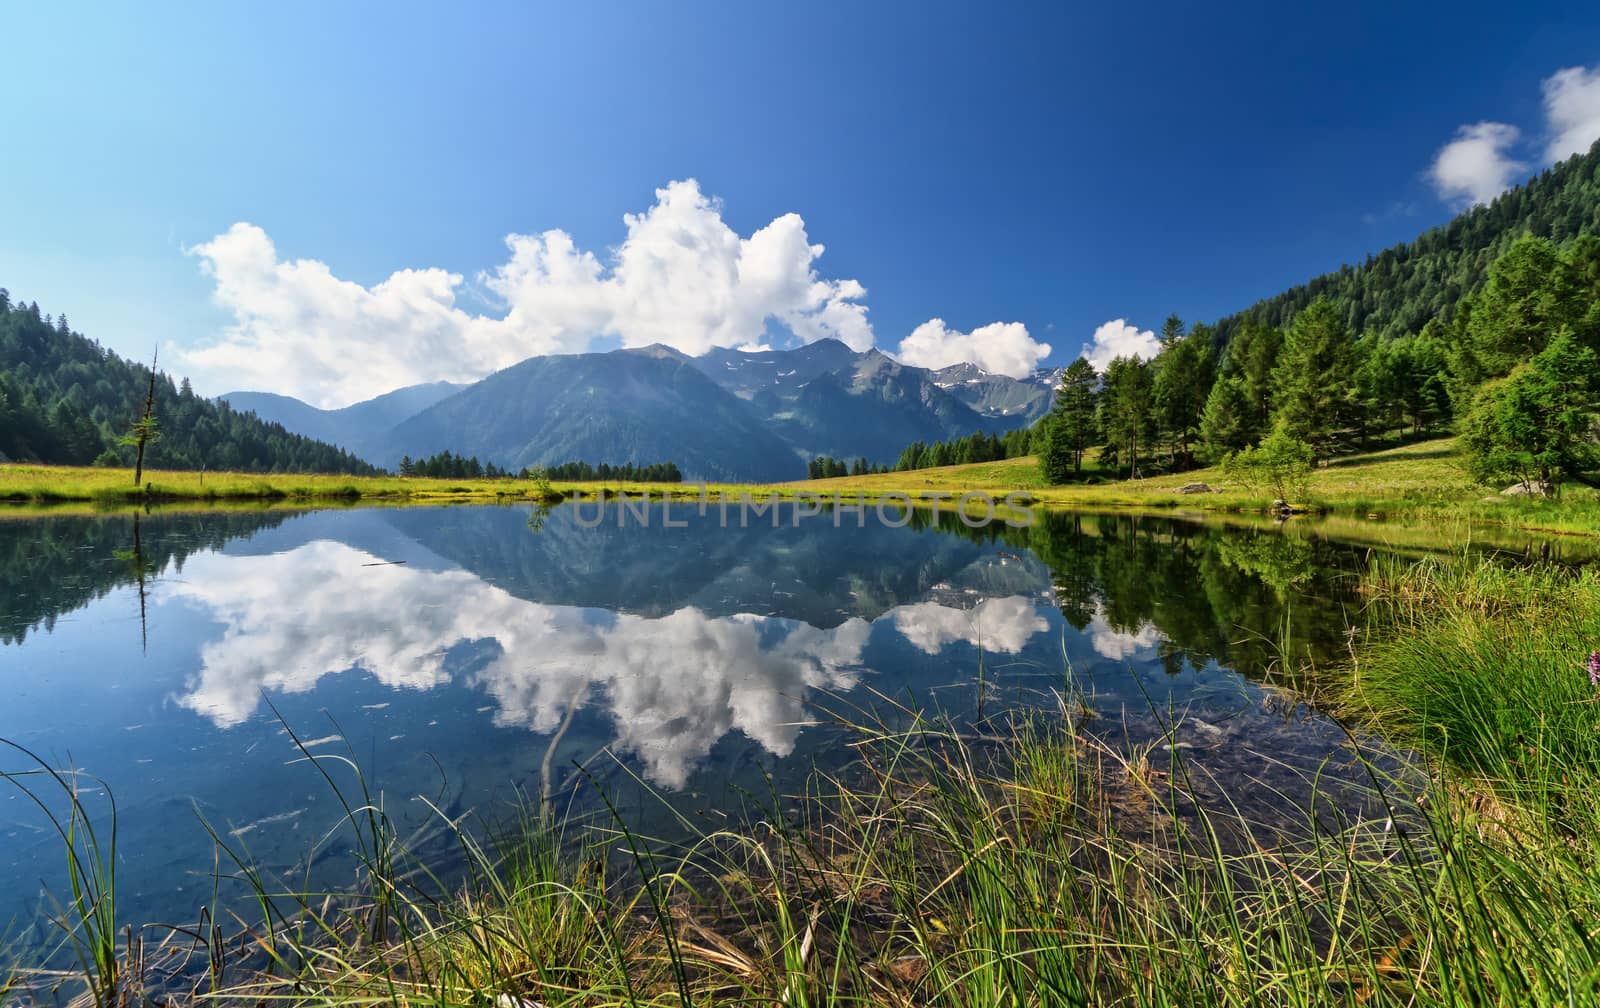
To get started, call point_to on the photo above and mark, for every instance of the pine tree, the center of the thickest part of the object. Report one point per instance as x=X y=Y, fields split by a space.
x=1227 y=423
x=1252 y=356
x=1184 y=373
x=1127 y=410
x=1530 y=294
x=1315 y=377
x=146 y=429
x=1073 y=418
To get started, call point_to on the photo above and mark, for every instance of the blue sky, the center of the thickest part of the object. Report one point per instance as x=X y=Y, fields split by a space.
x=1045 y=166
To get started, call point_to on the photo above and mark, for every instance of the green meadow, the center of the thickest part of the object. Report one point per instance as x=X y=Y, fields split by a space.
x=1425 y=481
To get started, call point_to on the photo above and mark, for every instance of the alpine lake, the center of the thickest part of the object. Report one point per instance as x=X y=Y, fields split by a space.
x=690 y=669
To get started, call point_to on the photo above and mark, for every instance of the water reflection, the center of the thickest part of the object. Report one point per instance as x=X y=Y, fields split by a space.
x=1259 y=601
x=673 y=685
x=461 y=642
x=1110 y=642
x=56 y=564
x=996 y=624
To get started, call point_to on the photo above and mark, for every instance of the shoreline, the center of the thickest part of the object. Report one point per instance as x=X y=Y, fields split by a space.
x=1417 y=483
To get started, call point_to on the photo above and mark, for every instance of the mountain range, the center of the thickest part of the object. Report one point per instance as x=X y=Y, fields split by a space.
x=725 y=415
x=358 y=429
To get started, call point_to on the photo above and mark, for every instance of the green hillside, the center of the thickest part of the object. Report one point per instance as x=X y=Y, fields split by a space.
x=1398 y=290
x=65 y=399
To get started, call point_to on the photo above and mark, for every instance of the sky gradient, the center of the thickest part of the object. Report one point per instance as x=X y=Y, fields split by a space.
x=1017 y=176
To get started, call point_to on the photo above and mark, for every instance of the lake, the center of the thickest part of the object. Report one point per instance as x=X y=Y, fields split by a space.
x=478 y=655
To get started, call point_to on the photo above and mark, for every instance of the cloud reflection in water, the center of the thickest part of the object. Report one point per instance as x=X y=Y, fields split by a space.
x=672 y=685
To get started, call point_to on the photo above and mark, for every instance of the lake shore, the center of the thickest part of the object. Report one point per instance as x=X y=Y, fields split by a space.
x=1421 y=482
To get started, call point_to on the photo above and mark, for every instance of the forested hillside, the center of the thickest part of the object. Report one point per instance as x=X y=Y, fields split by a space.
x=1398 y=290
x=65 y=399
x=1489 y=326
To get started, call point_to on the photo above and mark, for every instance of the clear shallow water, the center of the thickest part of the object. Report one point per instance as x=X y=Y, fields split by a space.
x=458 y=654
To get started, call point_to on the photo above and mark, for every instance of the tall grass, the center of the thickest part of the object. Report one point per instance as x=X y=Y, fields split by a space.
x=1026 y=866
x=1483 y=665
x=87 y=918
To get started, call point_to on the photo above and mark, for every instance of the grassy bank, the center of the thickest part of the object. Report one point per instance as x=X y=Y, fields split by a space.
x=1424 y=480
x=1420 y=482
x=39 y=484
x=1485 y=668
x=1023 y=861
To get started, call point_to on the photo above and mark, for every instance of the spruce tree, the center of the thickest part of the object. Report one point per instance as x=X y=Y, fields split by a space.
x=1056 y=457
x=1537 y=424
x=1227 y=423
x=1127 y=411
x=1314 y=378
x=1073 y=418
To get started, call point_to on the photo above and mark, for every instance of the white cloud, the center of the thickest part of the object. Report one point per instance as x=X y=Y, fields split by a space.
x=999 y=347
x=1119 y=339
x=1476 y=167
x=1572 y=111
x=1479 y=164
x=681 y=277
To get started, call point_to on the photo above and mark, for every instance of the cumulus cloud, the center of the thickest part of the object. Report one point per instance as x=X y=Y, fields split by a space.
x=1480 y=164
x=681 y=277
x=1476 y=166
x=1572 y=111
x=1119 y=339
x=999 y=347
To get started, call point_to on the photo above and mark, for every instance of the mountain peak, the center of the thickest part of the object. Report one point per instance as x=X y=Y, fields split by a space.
x=656 y=350
x=959 y=372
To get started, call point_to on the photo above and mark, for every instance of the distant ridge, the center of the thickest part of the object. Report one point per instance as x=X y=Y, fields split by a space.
x=726 y=415
x=359 y=428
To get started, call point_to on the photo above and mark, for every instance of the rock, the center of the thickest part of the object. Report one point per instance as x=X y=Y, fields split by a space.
x=1528 y=488
x=1194 y=488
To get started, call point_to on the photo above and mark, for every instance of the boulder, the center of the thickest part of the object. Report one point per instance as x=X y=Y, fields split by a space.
x=1194 y=488
x=1528 y=488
